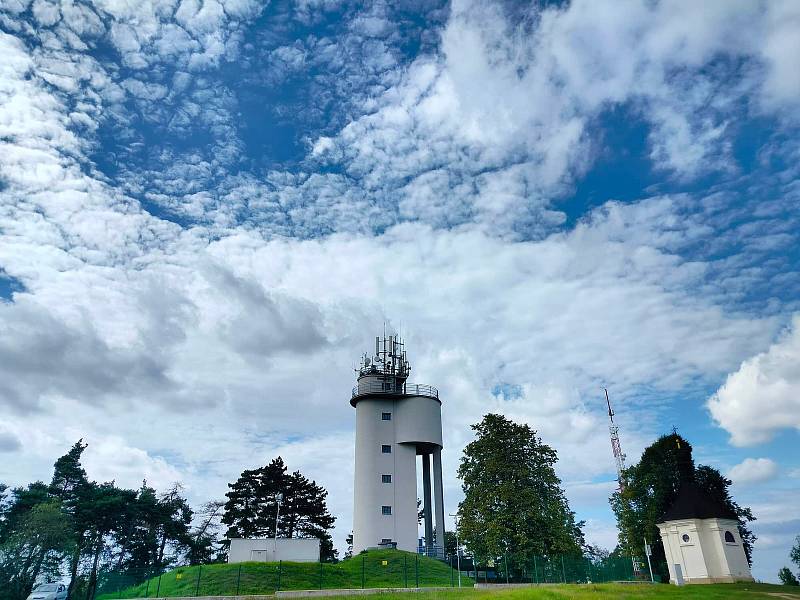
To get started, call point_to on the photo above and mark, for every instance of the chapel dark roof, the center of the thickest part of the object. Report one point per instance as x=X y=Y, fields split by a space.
x=692 y=503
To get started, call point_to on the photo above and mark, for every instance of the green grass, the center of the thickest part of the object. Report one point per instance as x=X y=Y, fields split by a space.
x=605 y=591
x=401 y=569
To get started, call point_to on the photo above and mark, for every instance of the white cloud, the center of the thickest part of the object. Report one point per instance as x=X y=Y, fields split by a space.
x=763 y=396
x=753 y=470
x=231 y=341
x=111 y=458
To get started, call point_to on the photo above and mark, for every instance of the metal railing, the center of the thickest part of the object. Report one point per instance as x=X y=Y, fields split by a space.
x=387 y=387
x=432 y=551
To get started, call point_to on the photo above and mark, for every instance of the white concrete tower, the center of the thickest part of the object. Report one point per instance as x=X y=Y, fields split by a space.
x=395 y=422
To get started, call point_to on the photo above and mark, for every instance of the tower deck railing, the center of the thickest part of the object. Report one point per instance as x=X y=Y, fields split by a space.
x=408 y=389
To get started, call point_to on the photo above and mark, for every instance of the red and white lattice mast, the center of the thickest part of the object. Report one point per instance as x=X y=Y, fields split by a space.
x=619 y=457
x=619 y=460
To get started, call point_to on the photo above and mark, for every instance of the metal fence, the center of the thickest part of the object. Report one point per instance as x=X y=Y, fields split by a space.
x=401 y=570
x=557 y=569
x=384 y=570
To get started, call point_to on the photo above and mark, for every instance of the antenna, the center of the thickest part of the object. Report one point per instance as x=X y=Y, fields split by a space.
x=619 y=460
x=619 y=457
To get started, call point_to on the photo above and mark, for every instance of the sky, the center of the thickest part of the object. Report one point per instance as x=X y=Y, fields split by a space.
x=208 y=209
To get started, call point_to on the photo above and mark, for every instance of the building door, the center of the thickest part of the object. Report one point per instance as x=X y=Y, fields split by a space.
x=678 y=574
x=258 y=555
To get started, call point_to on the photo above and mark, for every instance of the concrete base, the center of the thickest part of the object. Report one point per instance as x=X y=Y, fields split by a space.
x=355 y=592
x=707 y=580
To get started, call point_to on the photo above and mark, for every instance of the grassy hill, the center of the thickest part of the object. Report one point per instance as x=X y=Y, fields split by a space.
x=373 y=569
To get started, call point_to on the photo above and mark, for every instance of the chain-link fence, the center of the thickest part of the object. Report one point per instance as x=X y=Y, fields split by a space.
x=369 y=570
x=557 y=569
x=389 y=569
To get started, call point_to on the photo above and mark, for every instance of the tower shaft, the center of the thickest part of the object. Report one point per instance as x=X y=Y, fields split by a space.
x=396 y=422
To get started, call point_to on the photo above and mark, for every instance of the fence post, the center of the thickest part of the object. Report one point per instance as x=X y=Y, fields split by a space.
x=158 y=588
x=535 y=574
x=197 y=584
x=238 y=579
x=416 y=570
x=405 y=570
x=147 y=588
x=363 y=558
x=320 y=574
x=280 y=568
x=563 y=572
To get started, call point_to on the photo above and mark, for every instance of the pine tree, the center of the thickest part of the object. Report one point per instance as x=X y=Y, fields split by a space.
x=514 y=506
x=70 y=485
x=251 y=508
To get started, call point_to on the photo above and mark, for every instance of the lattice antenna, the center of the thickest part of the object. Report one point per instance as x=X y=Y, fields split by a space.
x=619 y=457
x=390 y=359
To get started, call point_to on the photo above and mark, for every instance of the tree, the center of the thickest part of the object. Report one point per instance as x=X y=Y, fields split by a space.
x=251 y=508
x=70 y=485
x=514 y=506
x=349 y=541
x=652 y=485
x=103 y=511
x=794 y=554
x=787 y=577
x=204 y=544
x=34 y=548
x=450 y=546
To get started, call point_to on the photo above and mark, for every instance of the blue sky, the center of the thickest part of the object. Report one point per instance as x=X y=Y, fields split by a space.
x=209 y=208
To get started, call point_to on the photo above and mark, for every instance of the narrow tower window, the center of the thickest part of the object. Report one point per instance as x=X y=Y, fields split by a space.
x=386 y=449
x=386 y=479
x=386 y=416
x=386 y=510
x=728 y=535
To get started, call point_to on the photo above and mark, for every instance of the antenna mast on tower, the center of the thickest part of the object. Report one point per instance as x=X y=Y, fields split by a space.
x=619 y=457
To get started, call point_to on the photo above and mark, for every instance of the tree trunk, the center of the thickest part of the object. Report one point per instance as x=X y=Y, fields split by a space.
x=38 y=566
x=161 y=549
x=73 y=566
x=93 y=576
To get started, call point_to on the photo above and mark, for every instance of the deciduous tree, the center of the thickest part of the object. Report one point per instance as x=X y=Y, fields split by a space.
x=787 y=577
x=652 y=485
x=514 y=506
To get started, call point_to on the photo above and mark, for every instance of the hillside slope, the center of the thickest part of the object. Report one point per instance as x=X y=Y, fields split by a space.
x=373 y=569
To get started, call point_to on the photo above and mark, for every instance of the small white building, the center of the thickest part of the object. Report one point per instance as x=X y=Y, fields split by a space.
x=272 y=550
x=701 y=541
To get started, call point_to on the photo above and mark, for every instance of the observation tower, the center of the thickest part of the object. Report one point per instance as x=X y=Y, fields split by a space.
x=396 y=422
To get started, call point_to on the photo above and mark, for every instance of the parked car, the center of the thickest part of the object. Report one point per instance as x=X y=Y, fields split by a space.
x=49 y=591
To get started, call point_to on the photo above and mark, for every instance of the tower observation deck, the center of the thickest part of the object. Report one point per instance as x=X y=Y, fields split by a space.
x=396 y=422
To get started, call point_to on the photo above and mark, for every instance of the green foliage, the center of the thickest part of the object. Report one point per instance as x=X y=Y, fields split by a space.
x=787 y=577
x=204 y=544
x=252 y=506
x=652 y=485
x=90 y=527
x=513 y=504
x=794 y=554
x=33 y=548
